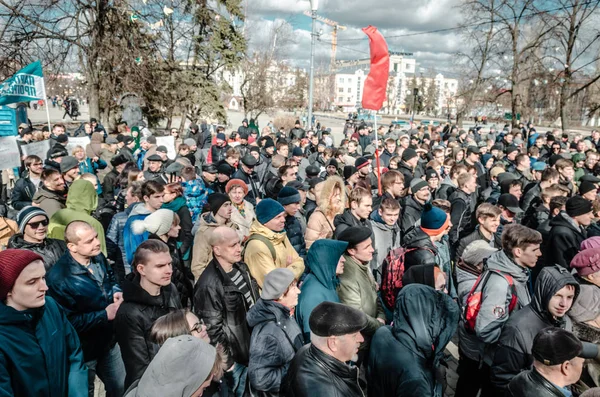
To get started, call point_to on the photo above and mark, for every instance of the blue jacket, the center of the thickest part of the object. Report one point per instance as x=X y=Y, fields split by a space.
x=321 y=283
x=91 y=167
x=40 y=354
x=84 y=301
x=196 y=194
x=131 y=240
x=115 y=230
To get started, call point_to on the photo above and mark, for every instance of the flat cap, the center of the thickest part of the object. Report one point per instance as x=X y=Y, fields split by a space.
x=355 y=235
x=210 y=168
x=248 y=160
x=155 y=157
x=312 y=170
x=336 y=319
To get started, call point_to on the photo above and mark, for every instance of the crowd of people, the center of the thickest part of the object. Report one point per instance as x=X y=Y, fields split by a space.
x=284 y=263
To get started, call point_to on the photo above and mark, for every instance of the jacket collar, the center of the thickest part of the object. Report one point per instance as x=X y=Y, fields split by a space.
x=76 y=267
x=334 y=365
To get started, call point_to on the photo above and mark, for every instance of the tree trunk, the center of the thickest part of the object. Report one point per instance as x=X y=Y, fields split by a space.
x=170 y=118
x=514 y=107
x=182 y=123
x=94 y=100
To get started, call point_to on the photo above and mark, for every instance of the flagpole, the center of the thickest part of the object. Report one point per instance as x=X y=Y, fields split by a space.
x=46 y=102
x=377 y=163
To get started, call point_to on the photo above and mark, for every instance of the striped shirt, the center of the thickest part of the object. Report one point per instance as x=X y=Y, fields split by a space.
x=242 y=286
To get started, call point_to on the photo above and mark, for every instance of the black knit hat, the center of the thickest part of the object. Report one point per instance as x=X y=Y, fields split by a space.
x=336 y=319
x=577 y=205
x=216 y=201
x=361 y=162
x=349 y=170
x=118 y=160
x=586 y=186
x=408 y=154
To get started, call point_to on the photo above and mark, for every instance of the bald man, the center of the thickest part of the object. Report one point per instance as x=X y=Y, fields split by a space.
x=223 y=295
x=84 y=285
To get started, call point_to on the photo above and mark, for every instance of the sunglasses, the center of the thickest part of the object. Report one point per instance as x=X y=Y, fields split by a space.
x=35 y=225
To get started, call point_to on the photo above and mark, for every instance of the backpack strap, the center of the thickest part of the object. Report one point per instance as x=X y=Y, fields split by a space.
x=265 y=241
x=512 y=288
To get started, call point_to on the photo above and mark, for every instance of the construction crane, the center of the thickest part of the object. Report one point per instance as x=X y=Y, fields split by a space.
x=335 y=26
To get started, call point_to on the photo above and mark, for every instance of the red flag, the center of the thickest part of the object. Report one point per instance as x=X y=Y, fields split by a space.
x=377 y=80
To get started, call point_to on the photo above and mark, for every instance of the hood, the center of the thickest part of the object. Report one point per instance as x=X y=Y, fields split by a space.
x=500 y=261
x=425 y=319
x=322 y=259
x=139 y=209
x=419 y=239
x=448 y=181
x=378 y=223
x=10 y=316
x=17 y=241
x=82 y=197
x=264 y=311
x=275 y=237
x=207 y=219
x=133 y=292
x=550 y=280
x=194 y=188
x=419 y=274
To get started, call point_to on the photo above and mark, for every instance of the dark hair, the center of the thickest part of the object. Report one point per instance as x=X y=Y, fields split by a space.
x=444 y=205
x=151 y=187
x=519 y=236
x=175 y=188
x=48 y=172
x=188 y=173
x=170 y=325
x=457 y=169
x=31 y=159
x=557 y=202
x=284 y=169
x=123 y=178
x=136 y=190
x=549 y=173
x=145 y=250
x=389 y=204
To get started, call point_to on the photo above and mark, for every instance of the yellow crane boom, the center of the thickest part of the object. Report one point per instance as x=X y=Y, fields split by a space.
x=336 y=26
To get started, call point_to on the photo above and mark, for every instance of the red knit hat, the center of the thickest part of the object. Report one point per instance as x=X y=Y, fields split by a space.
x=12 y=263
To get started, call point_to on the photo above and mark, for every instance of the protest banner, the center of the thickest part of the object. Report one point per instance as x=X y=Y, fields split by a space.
x=169 y=143
x=9 y=153
x=78 y=141
x=39 y=149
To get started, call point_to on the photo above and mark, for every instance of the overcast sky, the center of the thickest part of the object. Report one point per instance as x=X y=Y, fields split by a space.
x=391 y=17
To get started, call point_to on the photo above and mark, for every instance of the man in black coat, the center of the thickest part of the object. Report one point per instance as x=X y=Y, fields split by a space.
x=462 y=208
x=25 y=187
x=147 y=295
x=290 y=199
x=83 y=284
x=357 y=215
x=110 y=180
x=320 y=369
x=420 y=242
x=567 y=231
x=410 y=160
x=222 y=297
x=413 y=206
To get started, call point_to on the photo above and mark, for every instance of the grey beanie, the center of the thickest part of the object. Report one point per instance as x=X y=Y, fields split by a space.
x=68 y=163
x=276 y=282
x=587 y=305
x=476 y=252
x=158 y=222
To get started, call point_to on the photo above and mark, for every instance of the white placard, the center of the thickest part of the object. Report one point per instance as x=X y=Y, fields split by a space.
x=77 y=141
x=9 y=153
x=39 y=149
x=169 y=143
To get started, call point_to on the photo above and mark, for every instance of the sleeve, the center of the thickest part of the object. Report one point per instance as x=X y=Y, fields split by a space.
x=259 y=261
x=100 y=164
x=349 y=293
x=493 y=313
x=201 y=254
x=131 y=338
x=78 y=373
x=413 y=388
x=186 y=224
x=297 y=265
x=456 y=214
x=5 y=381
x=267 y=365
x=562 y=249
x=112 y=232
x=108 y=189
x=508 y=362
x=339 y=229
x=313 y=229
x=209 y=308
x=18 y=197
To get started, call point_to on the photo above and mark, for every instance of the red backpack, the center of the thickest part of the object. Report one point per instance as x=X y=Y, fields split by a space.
x=473 y=303
x=392 y=270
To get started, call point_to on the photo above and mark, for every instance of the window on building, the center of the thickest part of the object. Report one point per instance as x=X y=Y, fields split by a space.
x=349 y=99
x=341 y=79
x=407 y=66
x=341 y=99
x=349 y=90
x=341 y=89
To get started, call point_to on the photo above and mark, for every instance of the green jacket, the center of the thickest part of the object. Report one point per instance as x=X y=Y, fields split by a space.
x=358 y=289
x=82 y=200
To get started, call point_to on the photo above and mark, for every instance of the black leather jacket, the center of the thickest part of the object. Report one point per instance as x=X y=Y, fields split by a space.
x=531 y=383
x=223 y=308
x=314 y=373
x=50 y=249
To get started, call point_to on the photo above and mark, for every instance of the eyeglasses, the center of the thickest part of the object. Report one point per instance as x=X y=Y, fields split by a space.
x=35 y=225
x=198 y=326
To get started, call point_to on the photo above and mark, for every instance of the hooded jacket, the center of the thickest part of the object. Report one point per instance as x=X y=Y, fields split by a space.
x=461 y=215
x=116 y=228
x=51 y=202
x=40 y=353
x=134 y=319
x=385 y=238
x=81 y=203
x=275 y=340
x=22 y=194
x=258 y=256
x=564 y=240
x=410 y=215
x=514 y=346
x=405 y=357
x=50 y=249
x=534 y=217
x=496 y=297
x=447 y=187
x=423 y=249
x=346 y=220
x=321 y=283
x=131 y=240
x=223 y=308
x=202 y=251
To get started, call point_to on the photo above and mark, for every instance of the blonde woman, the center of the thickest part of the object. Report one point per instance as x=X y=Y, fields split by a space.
x=330 y=202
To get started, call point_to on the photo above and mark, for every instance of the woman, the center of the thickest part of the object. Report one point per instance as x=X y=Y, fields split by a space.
x=122 y=184
x=164 y=225
x=179 y=322
x=89 y=165
x=459 y=155
x=174 y=201
x=330 y=202
x=97 y=149
x=243 y=212
x=394 y=161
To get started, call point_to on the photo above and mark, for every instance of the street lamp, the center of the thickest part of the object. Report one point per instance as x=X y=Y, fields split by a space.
x=314 y=5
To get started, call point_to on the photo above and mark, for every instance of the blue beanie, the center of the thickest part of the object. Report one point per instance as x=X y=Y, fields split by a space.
x=485 y=158
x=433 y=220
x=267 y=209
x=288 y=195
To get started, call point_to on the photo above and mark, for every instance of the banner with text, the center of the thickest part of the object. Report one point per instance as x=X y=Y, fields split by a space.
x=26 y=85
x=39 y=149
x=9 y=153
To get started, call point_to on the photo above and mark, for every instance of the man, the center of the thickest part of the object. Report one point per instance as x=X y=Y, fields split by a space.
x=224 y=172
x=41 y=354
x=153 y=170
x=81 y=203
x=55 y=157
x=511 y=155
x=532 y=193
x=110 y=180
x=209 y=174
x=566 y=172
x=33 y=236
x=84 y=285
x=247 y=174
x=405 y=357
x=389 y=152
x=219 y=215
x=126 y=148
x=26 y=187
x=522 y=171
x=69 y=168
x=421 y=241
x=297 y=132
x=386 y=232
x=51 y=194
x=219 y=149
x=268 y=246
x=554 y=294
x=357 y=287
x=133 y=197
x=150 y=150
x=392 y=183
x=363 y=166
x=539 y=212
x=488 y=220
x=472 y=159
x=147 y=295
x=357 y=215
x=320 y=369
x=568 y=231
x=509 y=205
x=520 y=251
x=558 y=358
x=410 y=160
x=462 y=208
x=290 y=199
x=413 y=205
x=223 y=295
x=450 y=182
